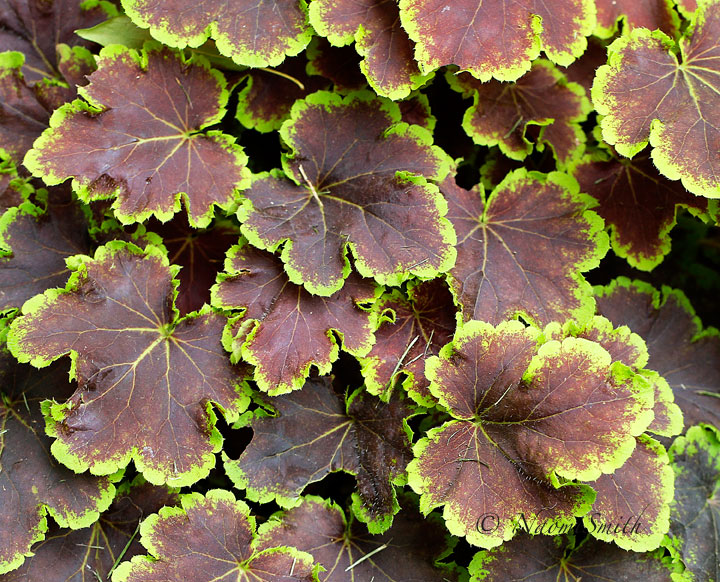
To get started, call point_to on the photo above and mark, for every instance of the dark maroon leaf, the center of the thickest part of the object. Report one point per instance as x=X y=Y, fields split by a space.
x=502 y=113
x=284 y=330
x=141 y=138
x=522 y=248
x=496 y=38
x=339 y=64
x=88 y=555
x=379 y=37
x=211 y=538
x=407 y=552
x=541 y=558
x=37 y=243
x=39 y=28
x=361 y=186
x=582 y=71
x=14 y=190
x=638 y=204
x=317 y=431
x=251 y=33
x=200 y=253
x=416 y=328
x=265 y=100
x=528 y=412
x=32 y=483
x=687 y=356
x=695 y=529
x=146 y=378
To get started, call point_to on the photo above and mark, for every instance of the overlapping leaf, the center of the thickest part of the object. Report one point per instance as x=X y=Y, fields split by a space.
x=360 y=187
x=339 y=64
x=687 y=7
x=545 y=559
x=525 y=416
x=687 y=356
x=44 y=31
x=695 y=529
x=638 y=205
x=502 y=113
x=265 y=100
x=14 y=189
x=140 y=138
x=496 y=38
x=406 y=552
x=417 y=327
x=375 y=27
x=32 y=483
x=522 y=249
x=89 y=554
x=200 y=253
x=652 y=14
x=317 y=431
x=256 y=34
x=209 y=538
x=666 y=93
x=37 y=243
x=582 y=71
x=146 y=378
x=284 y=330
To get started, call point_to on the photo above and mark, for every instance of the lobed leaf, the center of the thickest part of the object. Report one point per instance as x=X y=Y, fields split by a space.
x=211 y=537
x=317 y=431
x=407 y=551
x=522 y=249
x=33 y=484
x=502 y=113
x=684 y=354
x=139 y=138
x=638 y=204
x=360 y=187
x=664 y=92
x=259 y=34
x=496 y=38
x=146 y=378
x=375 y=27
x=651 y=14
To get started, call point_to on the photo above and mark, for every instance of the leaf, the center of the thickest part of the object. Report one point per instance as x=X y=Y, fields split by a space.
x=632 y=507
x=115 y=145
x=146 y=378
x=374 y=26
x=501 y=113
x=14 y=189
x=687 y=7
x=116 y=30
x=695 y=529
x=417 y=328
x=364 y=189
x=88 y=555
x=252 y=34
x=544 y=559
x=654 y=89
x=40 y=28
x=265 y=100
x=37 y=243
x=32 y=483
x=284 y=330
x=407 y=551
x=687 y=356
x=630 y=349
x=24 y=115
x=316 y=431
x=526 y=414
x=582 y=71
x=339 y=64
x=200 y=253
x=639 y=205
x=506 y=241
x=496 y=38
x=652 y=14
x=208 y=538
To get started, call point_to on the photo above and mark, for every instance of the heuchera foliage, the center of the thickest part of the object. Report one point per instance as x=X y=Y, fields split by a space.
x=359 y=290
